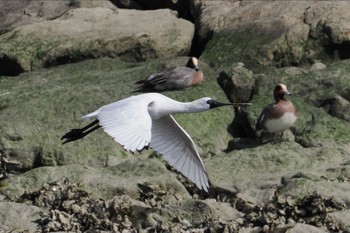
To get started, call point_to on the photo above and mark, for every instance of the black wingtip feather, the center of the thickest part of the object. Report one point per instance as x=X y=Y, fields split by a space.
x=72 y=135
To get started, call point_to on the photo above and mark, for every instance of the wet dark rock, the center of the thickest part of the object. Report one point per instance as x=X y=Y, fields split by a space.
x=237 y=83
x=181 y=6
x=239 y=86
x=10 y=66
x=9 y=165
x=336 y=106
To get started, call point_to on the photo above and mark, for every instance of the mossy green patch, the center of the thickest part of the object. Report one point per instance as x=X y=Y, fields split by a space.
x=249 y=46
x=4 y=184
x=320 y=139
x=29 y=52
x=43 y=105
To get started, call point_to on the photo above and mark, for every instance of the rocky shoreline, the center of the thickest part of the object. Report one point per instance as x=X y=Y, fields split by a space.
x=71 y=209
x=61 y=59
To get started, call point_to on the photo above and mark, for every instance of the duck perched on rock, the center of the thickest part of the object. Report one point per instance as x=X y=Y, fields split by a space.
x=173 y=78
x=279 y=116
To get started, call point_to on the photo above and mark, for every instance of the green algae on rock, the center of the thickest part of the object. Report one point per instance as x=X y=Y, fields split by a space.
x=41 y=106
x=85 y=33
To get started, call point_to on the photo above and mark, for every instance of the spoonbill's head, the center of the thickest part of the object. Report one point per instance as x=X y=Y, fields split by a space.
x=213 y=103
x=210 y=103
x=207 y=103
x=193 y=63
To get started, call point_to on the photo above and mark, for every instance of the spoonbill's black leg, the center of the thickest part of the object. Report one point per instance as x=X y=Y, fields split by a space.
x=76 y=134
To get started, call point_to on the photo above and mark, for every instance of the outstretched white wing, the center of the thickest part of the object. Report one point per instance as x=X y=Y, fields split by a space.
x=127 y=121
x=178 y=149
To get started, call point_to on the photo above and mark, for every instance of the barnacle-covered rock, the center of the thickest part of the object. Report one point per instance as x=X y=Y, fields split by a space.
x=71 y=209
x=281 y=211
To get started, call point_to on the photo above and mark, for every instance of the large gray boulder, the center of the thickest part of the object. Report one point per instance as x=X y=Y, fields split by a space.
x=278 y=33
x=18 y=13
x=97 y=32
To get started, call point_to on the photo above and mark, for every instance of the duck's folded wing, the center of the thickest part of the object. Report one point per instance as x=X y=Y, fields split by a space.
x=160 y=77
x=156 y=78
x=127 y=121
x=265 y=113
x=179 y=150
x=178 y=75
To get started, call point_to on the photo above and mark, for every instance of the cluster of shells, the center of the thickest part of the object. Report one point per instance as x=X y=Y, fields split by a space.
x=283 y=212
x=71 y=209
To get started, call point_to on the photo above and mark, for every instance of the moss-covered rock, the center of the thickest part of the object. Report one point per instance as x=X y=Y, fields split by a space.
x=315 y=122
x=272 y=33
x=99 y=182
x=320 y=139
x=37 y=108
x=84 y=33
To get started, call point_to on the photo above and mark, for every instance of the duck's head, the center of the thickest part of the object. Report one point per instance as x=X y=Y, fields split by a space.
x=280 y=91
x=193 y=63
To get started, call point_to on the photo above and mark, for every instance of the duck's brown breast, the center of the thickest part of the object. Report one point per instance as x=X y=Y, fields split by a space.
x=197 y=78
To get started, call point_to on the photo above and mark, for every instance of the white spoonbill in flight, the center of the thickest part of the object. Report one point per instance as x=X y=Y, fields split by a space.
x=145 y=120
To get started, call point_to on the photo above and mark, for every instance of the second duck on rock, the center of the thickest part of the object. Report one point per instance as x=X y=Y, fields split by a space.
x=279 y=116
x=173 y=78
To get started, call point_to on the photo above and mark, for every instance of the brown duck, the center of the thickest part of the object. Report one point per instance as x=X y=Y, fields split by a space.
x=279 y=116
x=173 y=78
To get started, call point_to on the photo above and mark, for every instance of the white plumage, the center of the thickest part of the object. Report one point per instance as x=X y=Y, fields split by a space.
x=145 y=121
x=282 y=123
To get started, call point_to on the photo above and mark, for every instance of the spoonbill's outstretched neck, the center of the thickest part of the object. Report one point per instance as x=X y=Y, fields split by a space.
x=145 y=121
